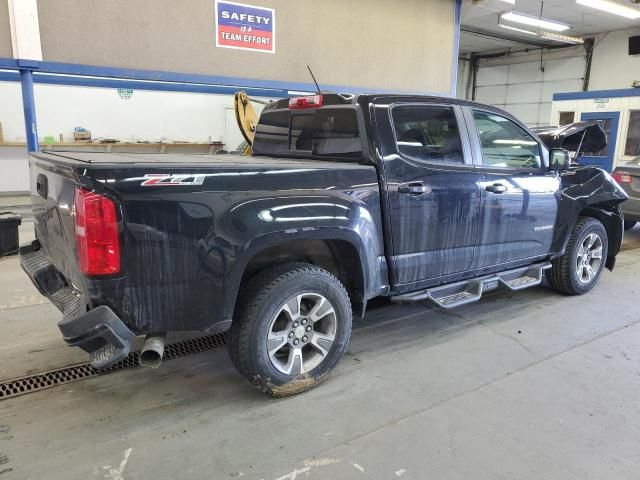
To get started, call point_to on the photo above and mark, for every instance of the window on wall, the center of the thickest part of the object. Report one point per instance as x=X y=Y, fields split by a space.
x=427 y=133
x=632 y=146
x=505 y=144
x=606 y=126
x=566 y=118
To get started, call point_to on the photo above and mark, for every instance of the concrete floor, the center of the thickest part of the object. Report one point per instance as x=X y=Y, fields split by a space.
x=518 y=386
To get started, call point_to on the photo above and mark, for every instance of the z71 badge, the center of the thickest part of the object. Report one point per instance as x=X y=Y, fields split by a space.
x=167 y=179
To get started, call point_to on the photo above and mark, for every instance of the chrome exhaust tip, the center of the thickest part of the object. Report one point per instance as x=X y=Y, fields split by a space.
x=152 y=351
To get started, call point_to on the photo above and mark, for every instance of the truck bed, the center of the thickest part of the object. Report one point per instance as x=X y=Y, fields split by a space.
x=190 y=223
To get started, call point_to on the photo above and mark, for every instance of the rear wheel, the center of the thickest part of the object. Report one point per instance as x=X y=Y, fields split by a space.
x=579 y=269
x=629 y=224
x=292 y=328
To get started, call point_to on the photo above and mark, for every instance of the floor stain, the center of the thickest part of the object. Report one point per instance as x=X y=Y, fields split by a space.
x=3 y=459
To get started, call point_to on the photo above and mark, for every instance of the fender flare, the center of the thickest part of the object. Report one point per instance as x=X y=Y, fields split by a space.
x=369 y=265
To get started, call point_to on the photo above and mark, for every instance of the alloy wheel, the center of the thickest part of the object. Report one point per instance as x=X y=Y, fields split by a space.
x=589 y=258
x=301 y=334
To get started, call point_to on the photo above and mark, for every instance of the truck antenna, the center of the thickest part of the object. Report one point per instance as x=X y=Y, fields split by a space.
x=314 y=79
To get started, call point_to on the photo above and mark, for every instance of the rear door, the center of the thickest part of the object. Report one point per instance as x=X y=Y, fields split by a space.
x=433 y=198
x=519 y=192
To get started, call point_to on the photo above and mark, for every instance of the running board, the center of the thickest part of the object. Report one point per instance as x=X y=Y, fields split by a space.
x=461 y=293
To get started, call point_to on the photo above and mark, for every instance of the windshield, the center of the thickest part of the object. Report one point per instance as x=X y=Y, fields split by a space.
x=331 y=133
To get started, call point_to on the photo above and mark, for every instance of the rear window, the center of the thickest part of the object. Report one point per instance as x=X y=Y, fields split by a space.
x=331 y=132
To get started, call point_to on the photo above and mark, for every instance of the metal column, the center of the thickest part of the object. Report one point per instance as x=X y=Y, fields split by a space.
x=28 y=104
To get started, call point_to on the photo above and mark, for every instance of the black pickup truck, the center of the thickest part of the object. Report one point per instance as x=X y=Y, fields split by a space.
x=344 y=199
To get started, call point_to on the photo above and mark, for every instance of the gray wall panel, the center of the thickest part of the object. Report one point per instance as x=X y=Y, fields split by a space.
x=5 y=31
x=401 y=45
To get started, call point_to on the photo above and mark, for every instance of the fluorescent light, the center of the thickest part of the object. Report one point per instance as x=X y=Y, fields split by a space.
x=512 y=2
x=558 y=37
x=611 y=7
x=534 y=22
x=521 y=30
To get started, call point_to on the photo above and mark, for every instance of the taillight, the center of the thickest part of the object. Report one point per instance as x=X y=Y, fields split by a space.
x=621 y=177
x=313 y=101
x=97 y=239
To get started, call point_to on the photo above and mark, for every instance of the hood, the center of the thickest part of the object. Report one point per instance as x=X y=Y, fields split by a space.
x=583 y=136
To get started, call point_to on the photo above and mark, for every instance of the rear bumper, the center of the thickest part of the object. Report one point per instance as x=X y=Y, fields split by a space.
x=99 y=331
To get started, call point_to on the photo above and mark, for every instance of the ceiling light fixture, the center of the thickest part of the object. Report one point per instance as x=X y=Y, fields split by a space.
x=611 y=7
x=534 y=22
x=516 y=29
x=558 y=37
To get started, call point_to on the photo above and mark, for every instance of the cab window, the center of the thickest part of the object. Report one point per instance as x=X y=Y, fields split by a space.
x=427 y=133
x=505 y=144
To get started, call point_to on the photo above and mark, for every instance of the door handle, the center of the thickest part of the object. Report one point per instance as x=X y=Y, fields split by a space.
x=414 y=188
x=42 y=186
x=496 y=188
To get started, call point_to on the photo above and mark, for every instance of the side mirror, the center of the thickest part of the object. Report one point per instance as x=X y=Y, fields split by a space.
x=559 y=159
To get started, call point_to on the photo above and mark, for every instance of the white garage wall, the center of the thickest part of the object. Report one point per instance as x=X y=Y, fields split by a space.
x=148 y=115
x=622 y=104
x=519 y=85
x=612 y=66
x=516 y=83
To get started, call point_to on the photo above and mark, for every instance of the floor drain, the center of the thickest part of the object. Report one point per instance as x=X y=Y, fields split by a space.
x=39 y=381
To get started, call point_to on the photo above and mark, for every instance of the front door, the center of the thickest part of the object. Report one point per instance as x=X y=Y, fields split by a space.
x=519 y=193
x=433 y=198
x=605 y=157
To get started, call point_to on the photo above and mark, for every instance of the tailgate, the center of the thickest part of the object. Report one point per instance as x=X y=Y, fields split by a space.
x=52 y=196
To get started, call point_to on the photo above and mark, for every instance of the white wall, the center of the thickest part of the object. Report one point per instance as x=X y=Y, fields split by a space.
x=14 y=170
x=622 y=105
x=147 y=115
x=612 y=66
x=464 y=74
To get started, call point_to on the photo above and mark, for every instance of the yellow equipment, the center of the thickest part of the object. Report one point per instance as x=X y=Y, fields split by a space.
x=247 y=118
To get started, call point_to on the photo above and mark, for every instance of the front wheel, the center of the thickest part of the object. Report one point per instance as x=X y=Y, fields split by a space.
x=292 y=328
x=578 y=270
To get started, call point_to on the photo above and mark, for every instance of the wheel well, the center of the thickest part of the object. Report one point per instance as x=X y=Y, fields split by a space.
x=610 y=216
x=338 y=257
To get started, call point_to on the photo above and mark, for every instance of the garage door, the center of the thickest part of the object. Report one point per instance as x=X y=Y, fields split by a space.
x=524 y=90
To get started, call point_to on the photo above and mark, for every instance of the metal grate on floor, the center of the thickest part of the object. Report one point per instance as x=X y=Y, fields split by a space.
x=39 y=381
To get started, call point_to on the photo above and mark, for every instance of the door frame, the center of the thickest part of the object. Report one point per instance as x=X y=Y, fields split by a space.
x=388 y=151
x=612 y=140
x=488 y=170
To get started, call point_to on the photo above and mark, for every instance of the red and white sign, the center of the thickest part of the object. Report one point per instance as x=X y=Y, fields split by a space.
x=245 y=27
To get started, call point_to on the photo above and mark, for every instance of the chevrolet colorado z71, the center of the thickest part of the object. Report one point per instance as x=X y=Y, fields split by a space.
x=345 y=198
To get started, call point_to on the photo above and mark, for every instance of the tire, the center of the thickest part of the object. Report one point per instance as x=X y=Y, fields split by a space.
x=629 y=224
x=275 y=310
x=569 y=276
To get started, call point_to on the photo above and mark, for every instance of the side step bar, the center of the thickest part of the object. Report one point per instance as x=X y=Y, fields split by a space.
x=461 y=293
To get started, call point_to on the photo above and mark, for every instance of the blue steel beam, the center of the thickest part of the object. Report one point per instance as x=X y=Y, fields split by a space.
x=28 y=104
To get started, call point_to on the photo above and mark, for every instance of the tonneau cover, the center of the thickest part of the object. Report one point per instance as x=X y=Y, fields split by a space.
x=121 y=158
